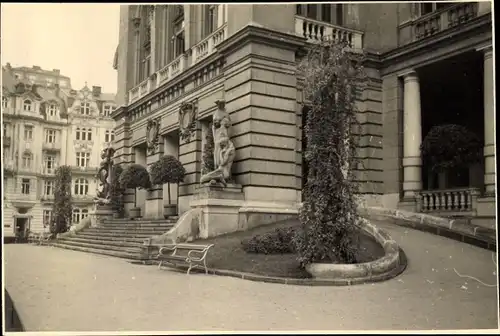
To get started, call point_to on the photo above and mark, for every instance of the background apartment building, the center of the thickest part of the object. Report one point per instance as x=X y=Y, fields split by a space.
x=47 y=123
x=427 y=64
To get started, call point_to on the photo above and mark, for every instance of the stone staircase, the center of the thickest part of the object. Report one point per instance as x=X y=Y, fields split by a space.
x=116 y=237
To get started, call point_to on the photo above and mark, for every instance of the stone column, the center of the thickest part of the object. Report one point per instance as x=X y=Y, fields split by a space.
x=412 y=161
x=152 y=24
x=489 y=123
x=154 y=203
x=137 y=23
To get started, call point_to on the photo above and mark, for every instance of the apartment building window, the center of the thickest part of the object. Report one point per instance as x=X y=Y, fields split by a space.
x=429 y=7
x=28 y=132
x=84 y=134
x=27 y=160
x=178 y=39
x=48 y=188
x=78 y=215
x=47 y=218
x=52 y=110
x=108 y=109
x=109 y=136
x=49 y=163
x=85 y=108
x=50 y=136
x=25 y=186
x=211 y=19
x=82 y=159
x=81 y=187
x=27 y=105
x=326 y=13
x=5 y=102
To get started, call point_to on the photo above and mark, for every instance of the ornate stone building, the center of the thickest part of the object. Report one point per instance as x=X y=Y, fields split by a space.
x=46 y=123
x=178 y=60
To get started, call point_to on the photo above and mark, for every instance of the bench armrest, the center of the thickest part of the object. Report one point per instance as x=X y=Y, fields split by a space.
x=167 y=249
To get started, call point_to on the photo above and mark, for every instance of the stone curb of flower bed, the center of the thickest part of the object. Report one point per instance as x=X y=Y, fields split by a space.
x=389 y=266
x=449 y=228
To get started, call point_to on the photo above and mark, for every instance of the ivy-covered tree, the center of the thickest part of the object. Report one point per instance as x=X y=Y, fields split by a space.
x=167 y=170
x=63 y=207
x=328 y=216
x=135 y=177
x=117 y=191
x=451 y=146
x=208 y=152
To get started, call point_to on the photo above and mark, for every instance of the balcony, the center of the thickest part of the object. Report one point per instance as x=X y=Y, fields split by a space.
x=199 y=51
x=48 y=171
x=47 y=198
x=430 y=24
x=82 y=199
x=9 y=168
x=84 y=170
x=51 y=146
x=6 y=141
x=449 y=202
x=317 y=31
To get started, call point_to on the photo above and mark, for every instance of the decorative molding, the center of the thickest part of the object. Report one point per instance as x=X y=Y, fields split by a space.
x=152 y=134
x=187 y=119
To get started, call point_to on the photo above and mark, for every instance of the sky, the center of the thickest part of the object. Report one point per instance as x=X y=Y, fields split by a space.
x=78 y=39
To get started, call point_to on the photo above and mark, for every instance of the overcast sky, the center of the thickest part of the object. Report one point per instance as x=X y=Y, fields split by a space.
x=78 y=39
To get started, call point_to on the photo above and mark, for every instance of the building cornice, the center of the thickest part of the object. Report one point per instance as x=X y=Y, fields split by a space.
x=469 y=35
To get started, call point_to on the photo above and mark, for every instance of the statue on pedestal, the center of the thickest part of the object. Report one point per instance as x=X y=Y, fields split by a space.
x=104 y=176
x=224 y=150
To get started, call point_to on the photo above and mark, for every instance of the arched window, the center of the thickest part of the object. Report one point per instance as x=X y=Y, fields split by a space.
x=81 y=187
x=27 y=160
x=27 y=104
x=5 y=102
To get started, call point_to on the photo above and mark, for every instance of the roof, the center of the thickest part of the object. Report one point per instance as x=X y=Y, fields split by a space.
x=8 y=81
x=47 y=72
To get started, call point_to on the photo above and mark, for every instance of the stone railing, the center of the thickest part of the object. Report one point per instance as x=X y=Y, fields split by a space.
x=448 y=17
x=51 y=146
x=317 y=31
x=448 y=201
x=207 y=46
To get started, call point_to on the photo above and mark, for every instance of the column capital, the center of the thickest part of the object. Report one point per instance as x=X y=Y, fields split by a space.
x=409 y=76
x=487 y=50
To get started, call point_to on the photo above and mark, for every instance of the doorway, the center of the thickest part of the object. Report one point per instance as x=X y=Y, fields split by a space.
x=21 y=228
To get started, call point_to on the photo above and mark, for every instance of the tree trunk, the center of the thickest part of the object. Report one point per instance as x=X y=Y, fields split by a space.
x=135 y=198
x=168 y=186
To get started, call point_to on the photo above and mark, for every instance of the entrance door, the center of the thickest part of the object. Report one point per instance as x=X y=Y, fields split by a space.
x=21 y=228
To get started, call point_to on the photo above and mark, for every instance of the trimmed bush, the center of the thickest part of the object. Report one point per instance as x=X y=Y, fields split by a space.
x=135 y=177
x=451 y=146
x=63 y=207
x=208 y=152
x=328 y=232
x=279 y=241
x=117 y=191
x=167 y=170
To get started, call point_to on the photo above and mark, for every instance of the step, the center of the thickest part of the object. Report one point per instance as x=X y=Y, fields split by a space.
x=124 y=255
x=131 y=235
x=144 y=221
x=68 y=241
x=126 y=239
x=151 y=232
x=132 y=227
x=107 y=242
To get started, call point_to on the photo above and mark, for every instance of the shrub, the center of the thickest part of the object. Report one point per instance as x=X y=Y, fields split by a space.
x=329 y=212
x=167 y=170
x=279 y=241
x=208 y=152
x=451 y=146
x=117 y=191
x=135 y=177
x=62 y=208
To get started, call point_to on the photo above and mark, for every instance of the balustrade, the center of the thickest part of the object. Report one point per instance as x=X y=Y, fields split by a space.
x=450 y=200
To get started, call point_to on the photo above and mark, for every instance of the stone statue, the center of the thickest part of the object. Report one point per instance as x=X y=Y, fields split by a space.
x=224 y=150
x=104 y=176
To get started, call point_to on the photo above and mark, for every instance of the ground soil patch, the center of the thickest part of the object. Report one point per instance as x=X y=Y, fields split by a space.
x=228 y=254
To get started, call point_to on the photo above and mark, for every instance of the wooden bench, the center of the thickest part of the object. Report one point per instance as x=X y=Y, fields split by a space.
x=196 y=255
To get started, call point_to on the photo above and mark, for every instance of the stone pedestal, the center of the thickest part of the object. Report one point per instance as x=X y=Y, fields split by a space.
x=220 y=209
x=99 y=214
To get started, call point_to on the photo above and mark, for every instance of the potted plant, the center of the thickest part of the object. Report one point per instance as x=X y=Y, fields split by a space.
x=117 y=192
x=167 y=170
x=135 y=177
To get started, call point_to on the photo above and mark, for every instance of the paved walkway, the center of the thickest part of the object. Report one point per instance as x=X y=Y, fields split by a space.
x=61 y=290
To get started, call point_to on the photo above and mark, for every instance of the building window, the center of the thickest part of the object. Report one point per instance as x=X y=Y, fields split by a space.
x=109 y=136
x=49 y=163
x=429 y=7
x=28 y=132
x=5 y=129
x=108 y=109
x=178 y=38
x=27 y=160
x=78 y=215
x=84 y=134
x=81 y=187
x=85 y=108
x=82 y=159
x=25 y=186
x=47 y=218
x=326 y=13
x=211 y=20
x=48 y=188
x=52 y=110
x=5 y=102
x=49 y=81
x=50 y=136
x=27 y=105
x=312 y=11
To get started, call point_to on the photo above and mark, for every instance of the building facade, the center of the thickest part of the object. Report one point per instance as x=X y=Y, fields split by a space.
x=173 y=56
x=46 y=124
